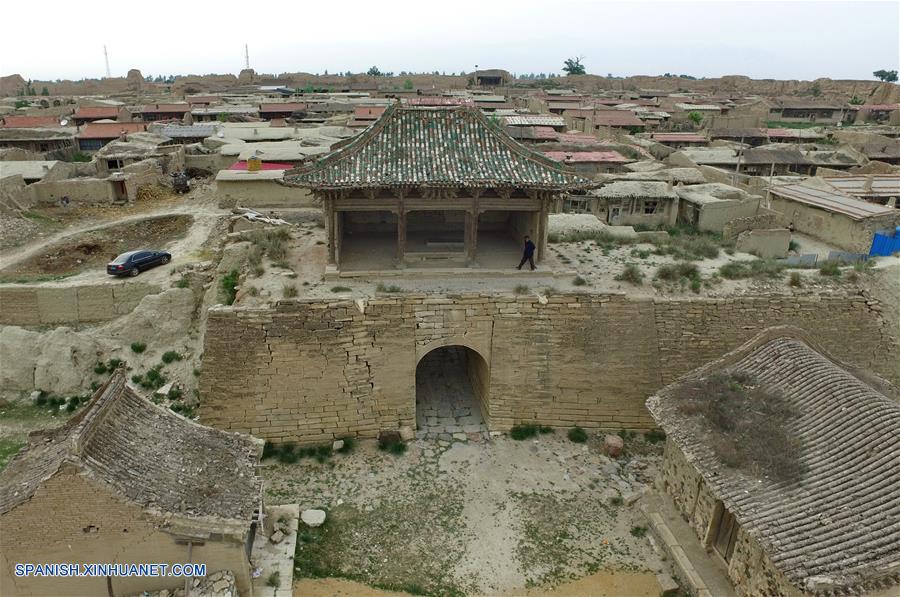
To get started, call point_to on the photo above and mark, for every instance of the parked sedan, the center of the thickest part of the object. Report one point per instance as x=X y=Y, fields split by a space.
x=134 y=262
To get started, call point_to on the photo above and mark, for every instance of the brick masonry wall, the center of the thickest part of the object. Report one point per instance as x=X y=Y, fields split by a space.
x=50 y=528
x=310 y=371
x=39 y=305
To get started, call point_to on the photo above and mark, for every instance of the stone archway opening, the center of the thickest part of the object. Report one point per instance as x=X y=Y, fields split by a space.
x=452 y=394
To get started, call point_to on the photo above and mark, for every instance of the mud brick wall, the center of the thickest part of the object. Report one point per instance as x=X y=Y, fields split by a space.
x=24 y=305
x=310 y=371
x=54 y=526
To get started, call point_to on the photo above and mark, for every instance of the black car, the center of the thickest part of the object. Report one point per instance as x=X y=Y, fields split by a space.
x=134 y=262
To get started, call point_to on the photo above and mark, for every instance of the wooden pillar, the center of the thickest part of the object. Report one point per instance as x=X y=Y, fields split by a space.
x=541 y=229
x=401 y=235
x=471 y=235
x=330 y=225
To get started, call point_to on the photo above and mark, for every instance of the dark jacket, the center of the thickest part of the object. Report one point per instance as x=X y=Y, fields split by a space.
x=529 y=248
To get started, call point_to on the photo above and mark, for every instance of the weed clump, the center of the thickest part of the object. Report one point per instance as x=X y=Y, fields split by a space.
x=831 y=269
x=289 y=291
x=577 y=435
x=228 y=285
x=631 y=274
x=522 y=432
x=391 y=288
x=340 y=289
x=738 y=270
x=138 y=347
x=171 y=356
x=795 y=280
x=748 y=423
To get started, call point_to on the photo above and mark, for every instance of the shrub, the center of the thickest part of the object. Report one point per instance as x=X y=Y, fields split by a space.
x=272 y=242
x=391 y=288
x=545 y=429
x=655 y=436
x=153 y=379
x=638 y=531
x=830 y=268
x=287 y=453
x=631 y=274
x=579 y=281
x=678 y=271
x=100 y=368
x=340 y=289
x=269 y=449
x=577 y=435
x=274 y=579
x=175 y=394
x=391 y=444
x=113 y=364
x=349 y=445
x=138 y=347
x=520 y=432
x=795 y=280
x=520 y=289
x=760 y=268
x=615 y=501
x=228 y=285
x=289 y=291
x=170 y=356
x=793 y=245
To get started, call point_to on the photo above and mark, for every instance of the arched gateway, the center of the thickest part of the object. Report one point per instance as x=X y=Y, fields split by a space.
x=452 y=392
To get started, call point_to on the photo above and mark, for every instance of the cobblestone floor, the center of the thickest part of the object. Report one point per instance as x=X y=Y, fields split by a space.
x=446 y=407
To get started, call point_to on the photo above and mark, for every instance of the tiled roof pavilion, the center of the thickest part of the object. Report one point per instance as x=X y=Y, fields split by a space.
x=434 y=147
x=836 y=530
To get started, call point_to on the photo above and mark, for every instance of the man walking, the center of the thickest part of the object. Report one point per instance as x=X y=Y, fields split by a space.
x=527 y=254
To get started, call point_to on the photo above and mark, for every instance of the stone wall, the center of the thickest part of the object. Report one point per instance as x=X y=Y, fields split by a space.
x=750 y=568
x=310 y=371
x=26 y=305
x=764 y=219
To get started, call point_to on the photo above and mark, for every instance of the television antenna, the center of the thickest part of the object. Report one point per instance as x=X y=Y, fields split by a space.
x=106 y=58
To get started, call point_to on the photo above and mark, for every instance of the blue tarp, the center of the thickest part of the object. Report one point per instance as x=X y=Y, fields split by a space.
x=886 y=242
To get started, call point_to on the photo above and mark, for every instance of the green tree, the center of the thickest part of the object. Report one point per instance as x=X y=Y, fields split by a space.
x=888 y=76
x=573 y=66
x=815 y=89
x=855 y=101
x=695 y=117
x=22 y=104
x=374 y=72
x=222 y=117
x=45 y=91
x=408 y=84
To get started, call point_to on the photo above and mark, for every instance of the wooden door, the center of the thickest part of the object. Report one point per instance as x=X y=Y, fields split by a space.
x=726 y=534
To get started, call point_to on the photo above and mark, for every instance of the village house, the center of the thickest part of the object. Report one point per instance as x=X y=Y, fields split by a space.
x=218 y=112
x=441 y=186
x=56 y=143
x=493 y=77
x=821 y=211
x=363 y=116
x=85 y=114
x=592 y=120
x=97 y=134
x=590 y=163
x=757 y=161
x=825 y=521
x=748 y=136
x=635 y=203
x=183 y=134
x=30 y=170
x=805 y=111
x=152 y=112
x=879 y=113
x=710 y=206
x=281 y=110
x=11 y=121
x=680 y=140
x=127 y=481
x=117 y=155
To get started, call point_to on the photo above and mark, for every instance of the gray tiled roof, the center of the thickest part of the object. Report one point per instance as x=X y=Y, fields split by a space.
x=837 y=528
x=145 y=453
x=450 y=147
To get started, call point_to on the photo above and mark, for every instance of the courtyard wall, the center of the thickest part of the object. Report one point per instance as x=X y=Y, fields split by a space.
x=309 y=371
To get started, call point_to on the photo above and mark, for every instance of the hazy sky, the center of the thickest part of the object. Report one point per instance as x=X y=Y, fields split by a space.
x=761 y=39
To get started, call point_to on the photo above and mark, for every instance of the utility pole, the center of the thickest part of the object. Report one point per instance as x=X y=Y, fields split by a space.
x=106 y=58
x=246 y=57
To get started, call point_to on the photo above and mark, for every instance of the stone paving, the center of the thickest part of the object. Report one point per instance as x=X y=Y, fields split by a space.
x=446 y=406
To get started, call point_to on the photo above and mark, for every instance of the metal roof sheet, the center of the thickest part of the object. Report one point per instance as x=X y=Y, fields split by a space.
x=831 y=201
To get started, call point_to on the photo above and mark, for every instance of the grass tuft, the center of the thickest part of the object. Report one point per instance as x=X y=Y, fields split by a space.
x=577 y=435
